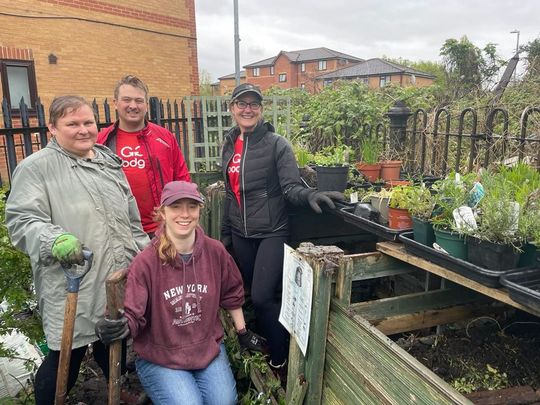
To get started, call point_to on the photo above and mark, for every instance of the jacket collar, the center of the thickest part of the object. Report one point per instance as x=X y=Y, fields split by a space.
x=114 y=159
x=256 y=135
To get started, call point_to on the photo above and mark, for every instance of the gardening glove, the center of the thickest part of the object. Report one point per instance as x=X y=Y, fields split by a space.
x=250 y=341
x=109 y=330
x=318 y=197
x=67 y=249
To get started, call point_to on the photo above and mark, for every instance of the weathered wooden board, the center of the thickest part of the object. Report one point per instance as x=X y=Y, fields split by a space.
x=376 y=370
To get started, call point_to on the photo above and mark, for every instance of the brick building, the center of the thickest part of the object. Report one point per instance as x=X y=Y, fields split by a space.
x=227 y=83
x=55 y=47
x=294 y=69
x=377 y=73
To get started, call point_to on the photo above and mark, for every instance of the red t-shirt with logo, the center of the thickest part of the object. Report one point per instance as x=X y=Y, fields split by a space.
x=133 y=164
x=233 y=171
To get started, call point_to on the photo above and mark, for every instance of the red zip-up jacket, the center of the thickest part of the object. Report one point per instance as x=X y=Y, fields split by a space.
x=161 y=153
x=173 y=311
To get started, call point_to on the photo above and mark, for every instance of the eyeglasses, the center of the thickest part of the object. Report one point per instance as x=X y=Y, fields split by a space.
x=255 y=105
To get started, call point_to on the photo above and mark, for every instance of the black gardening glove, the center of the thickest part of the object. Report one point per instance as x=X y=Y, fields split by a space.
x=250 y=341
x=318 y=197
x=109 y=330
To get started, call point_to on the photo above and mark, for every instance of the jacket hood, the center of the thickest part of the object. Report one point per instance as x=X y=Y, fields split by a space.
x=197 y=247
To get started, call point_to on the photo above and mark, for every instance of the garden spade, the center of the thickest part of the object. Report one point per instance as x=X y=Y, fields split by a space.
x=74 y=275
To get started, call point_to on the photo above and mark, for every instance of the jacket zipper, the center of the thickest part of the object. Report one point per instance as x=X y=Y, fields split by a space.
x=244 y=155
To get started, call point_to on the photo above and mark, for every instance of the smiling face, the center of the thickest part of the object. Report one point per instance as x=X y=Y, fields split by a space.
x=181 y=218
x=131 y=107
x=76 y=131
x=248 y=117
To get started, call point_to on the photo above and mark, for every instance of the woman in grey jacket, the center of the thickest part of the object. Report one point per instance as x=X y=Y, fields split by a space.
x=261 y=176
x=69 y=194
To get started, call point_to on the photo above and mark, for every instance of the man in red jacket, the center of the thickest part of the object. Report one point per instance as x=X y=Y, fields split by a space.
x=150 y=154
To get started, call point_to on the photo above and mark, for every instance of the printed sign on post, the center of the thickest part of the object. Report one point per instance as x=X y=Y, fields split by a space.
x=295 y=313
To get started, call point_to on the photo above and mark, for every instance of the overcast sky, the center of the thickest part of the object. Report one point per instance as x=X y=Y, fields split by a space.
x=411 y=29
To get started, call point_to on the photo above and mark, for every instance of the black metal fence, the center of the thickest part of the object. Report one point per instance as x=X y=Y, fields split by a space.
x=437 y=142
x=25 y=131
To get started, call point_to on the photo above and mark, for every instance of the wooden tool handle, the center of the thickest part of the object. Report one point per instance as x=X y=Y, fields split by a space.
x=65 y=348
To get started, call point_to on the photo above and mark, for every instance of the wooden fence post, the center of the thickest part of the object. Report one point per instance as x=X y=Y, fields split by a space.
x=324 y=260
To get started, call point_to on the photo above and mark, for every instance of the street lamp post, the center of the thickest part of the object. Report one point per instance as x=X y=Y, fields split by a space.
x=517 y=51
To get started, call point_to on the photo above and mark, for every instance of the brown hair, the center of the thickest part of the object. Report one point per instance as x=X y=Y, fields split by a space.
x=63 y=105
x=132 y=81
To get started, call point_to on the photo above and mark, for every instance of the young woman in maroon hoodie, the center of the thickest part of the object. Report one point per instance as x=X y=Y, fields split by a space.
x=174 y=291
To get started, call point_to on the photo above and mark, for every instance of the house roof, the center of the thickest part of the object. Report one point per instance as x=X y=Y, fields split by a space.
x=372 y=67
x=233 y=75
x=305 y=55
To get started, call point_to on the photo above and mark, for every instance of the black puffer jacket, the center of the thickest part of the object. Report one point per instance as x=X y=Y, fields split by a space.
x=268 y=178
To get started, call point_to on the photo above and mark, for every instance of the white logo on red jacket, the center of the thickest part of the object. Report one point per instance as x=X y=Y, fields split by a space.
x=132 y=157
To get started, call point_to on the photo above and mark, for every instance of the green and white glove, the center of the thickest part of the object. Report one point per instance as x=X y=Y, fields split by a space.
x=67 y=249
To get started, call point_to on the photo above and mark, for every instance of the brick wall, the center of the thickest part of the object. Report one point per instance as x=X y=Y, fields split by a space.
x=96 y=42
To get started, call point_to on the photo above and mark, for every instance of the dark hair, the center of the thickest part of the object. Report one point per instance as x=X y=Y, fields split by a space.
x=132 y=81
x=63 y=105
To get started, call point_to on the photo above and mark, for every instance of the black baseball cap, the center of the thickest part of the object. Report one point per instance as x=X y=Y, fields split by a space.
x=246 y=88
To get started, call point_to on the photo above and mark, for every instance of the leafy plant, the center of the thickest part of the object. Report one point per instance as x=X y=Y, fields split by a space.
x=338 y=155
x=402 y=197
x=421 y=202
x=303 y=156
x=369 y=150
x=451 y=193
x=16 y=289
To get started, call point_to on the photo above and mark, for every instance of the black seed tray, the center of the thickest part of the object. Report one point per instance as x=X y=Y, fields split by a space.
x=524 y=287
x=384 y=232
x=489 y=278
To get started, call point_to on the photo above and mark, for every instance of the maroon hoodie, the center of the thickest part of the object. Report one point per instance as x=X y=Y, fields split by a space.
x=173 y=311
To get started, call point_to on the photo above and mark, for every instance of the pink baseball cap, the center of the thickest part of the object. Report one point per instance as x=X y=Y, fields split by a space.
x=176 y=190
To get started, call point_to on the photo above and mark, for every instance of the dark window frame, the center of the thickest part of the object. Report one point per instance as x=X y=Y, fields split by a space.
x=32 y=83
x=282 y=76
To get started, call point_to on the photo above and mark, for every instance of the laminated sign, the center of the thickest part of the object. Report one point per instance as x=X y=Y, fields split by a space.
x=295 y=313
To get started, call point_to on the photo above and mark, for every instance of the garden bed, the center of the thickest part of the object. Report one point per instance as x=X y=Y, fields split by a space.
x=483 y=354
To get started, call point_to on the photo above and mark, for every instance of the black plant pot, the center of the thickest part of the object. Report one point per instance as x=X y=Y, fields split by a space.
x=492 y=256
x=332 y=178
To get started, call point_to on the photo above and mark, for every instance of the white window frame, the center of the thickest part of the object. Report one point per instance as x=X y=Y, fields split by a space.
x=271 y=70
x=256 y=72
x=322 y=65
x=283 y=77
x=384 y=80
x=302 y=67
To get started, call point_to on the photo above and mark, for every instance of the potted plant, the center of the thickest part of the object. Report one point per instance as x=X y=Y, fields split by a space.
x=421 y=209
x=332 y=167
x=303 y=160
x=451 y=193
x=368 y=164
x=400 y=202
x=390 y=165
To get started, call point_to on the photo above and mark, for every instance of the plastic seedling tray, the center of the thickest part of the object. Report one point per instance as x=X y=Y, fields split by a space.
x=346 y=211
x=489 y=278
x=524 y=287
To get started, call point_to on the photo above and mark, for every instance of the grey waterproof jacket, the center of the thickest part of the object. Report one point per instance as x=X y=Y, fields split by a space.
x=53 y=192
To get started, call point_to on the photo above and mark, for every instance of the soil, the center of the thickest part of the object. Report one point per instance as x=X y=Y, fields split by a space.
x=482 y=354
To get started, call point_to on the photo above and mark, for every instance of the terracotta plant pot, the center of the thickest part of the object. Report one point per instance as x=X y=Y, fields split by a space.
x=390 y=169
x=392 y=183
x=399 y=218
x=372 y=172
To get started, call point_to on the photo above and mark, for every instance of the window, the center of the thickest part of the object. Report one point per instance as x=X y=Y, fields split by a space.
x=364 y=80
x=302 y=67
x=283 y=77
x=327 y=82
x=384 y=80
x=18 y=81
x=322 y=65
x=302 y=85
x=271 y=70
x=256 y=72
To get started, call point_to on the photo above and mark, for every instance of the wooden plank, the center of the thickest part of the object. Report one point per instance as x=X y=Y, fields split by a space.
x=344 y=282
x=411 y=303
x=426 y=319
x=375 y=265
x=398 y=251
x=372 y=357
